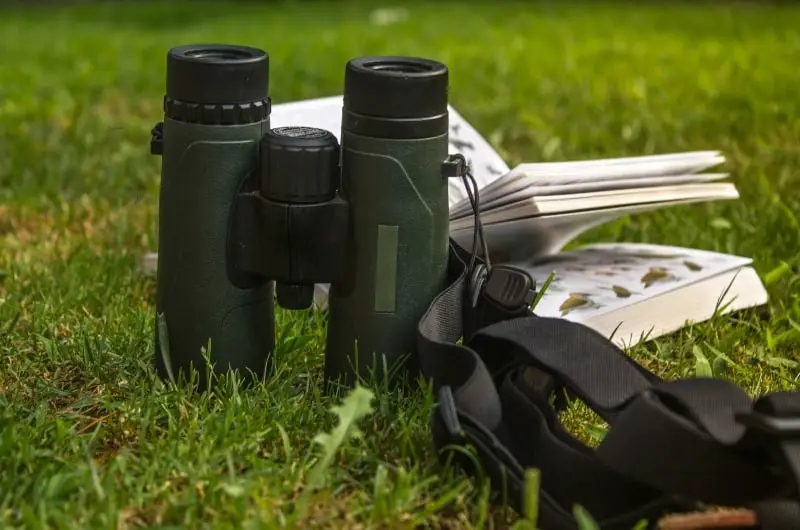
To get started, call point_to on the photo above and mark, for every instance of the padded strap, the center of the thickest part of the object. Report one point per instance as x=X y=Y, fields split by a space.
x=670 y=445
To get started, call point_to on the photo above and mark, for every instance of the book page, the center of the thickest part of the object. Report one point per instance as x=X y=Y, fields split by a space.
x=532 y=192
x=326 y=113
x=560 y=204
x=598 y=279
x=590 y=172
x=668 y=158
x=536 y=237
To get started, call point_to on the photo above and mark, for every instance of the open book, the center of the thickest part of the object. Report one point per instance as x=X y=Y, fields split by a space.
x=529 y=213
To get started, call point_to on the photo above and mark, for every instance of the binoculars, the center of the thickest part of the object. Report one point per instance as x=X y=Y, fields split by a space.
x=250 y=215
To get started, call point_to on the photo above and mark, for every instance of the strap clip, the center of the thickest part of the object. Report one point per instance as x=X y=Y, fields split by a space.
x=508 y=288
x=455 y=166
x=496 y=293
x=157 y=139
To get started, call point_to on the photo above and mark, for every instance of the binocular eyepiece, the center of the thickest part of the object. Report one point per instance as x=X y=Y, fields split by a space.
x=248 y=213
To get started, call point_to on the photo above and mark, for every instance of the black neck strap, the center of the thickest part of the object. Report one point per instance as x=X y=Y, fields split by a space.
x=671 y=446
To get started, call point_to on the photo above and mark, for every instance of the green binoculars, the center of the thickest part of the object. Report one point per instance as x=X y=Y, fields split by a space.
x=250 y=215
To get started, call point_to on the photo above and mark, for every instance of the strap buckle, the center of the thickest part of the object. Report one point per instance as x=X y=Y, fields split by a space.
x=784 y=433
x=449 y=414
x=773 y=426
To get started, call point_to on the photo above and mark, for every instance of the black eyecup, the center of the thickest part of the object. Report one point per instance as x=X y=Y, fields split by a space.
x=217 y=74
x=395 y=87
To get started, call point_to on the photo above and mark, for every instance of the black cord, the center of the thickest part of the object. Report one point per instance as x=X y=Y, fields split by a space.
x=456 y=166
x=477 y=234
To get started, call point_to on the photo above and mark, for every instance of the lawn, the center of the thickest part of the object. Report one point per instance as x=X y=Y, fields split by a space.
x=90 y=439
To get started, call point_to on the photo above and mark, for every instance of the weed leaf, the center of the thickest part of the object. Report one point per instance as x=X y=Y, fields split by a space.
x=584 y=519
x=356 y=405
x=702 y=368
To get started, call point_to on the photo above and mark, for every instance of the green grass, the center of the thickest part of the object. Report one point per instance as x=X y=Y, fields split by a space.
x=90 y=439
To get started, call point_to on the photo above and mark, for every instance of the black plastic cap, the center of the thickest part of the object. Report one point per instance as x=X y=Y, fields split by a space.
x=294 y=296
x=395 y=87
x=217 y=74
x=299 y=165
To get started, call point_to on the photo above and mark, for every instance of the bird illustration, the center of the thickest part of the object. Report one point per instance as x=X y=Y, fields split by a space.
x=575 y=301
x=461 y=144
x=491 y=169
x=654 y=275
x=620 y=291
x=692 y=266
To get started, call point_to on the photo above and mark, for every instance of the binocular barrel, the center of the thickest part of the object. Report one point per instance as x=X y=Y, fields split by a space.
x=216 y=110
x=394 y=140
x=247 y=212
